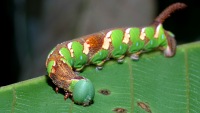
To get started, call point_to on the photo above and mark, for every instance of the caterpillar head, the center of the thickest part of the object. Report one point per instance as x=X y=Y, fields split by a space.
x=170 y=50
x=83 y=92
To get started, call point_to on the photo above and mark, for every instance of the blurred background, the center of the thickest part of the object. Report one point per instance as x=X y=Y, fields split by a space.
x=31 y=28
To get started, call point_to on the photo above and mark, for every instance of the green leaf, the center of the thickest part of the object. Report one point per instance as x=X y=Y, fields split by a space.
x=154 y=84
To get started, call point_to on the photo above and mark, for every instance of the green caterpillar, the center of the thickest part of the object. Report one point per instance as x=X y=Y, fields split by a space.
x=74 y=55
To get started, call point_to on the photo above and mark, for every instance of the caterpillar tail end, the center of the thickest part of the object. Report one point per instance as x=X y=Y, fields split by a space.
x=170 y=50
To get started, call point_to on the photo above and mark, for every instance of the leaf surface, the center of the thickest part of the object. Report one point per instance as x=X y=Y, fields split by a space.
x=154 y=84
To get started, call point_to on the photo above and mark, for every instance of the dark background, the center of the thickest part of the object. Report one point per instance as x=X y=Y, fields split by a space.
x=23 y=20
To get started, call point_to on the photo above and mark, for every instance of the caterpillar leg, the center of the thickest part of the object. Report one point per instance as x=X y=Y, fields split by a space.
x=56 y=89
x=121 y=59
x=135 y=56
x=67 y=95
x=79 y=69
x=99 y=65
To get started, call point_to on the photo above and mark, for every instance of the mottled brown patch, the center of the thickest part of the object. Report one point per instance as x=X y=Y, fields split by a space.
x=62 y=75
x=104 y=92
x=144 y=106
x=95 y=42
x=120 y=110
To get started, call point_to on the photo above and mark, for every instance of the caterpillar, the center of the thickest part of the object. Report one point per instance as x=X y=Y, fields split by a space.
x=69 y=57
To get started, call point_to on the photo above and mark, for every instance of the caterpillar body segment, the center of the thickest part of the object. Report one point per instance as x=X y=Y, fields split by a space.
x=71 y=56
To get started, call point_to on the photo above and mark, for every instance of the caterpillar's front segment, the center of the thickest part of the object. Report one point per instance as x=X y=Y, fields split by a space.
x=71 y=56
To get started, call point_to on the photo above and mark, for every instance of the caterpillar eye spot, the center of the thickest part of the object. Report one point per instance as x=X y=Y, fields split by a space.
x=104 y=92
x=120 y=110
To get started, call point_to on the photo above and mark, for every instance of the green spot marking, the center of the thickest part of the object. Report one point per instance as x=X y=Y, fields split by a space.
x=120 y=48
x=67 y=56
x=137 y=43
x=153 y=42
x=50 y=65
x=162 y=40
x=80 y=59
x=99 y=57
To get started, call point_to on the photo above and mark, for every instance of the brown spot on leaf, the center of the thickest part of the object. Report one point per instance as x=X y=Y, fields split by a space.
x=144 y=106
x=104 y=92
x=120 y=110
